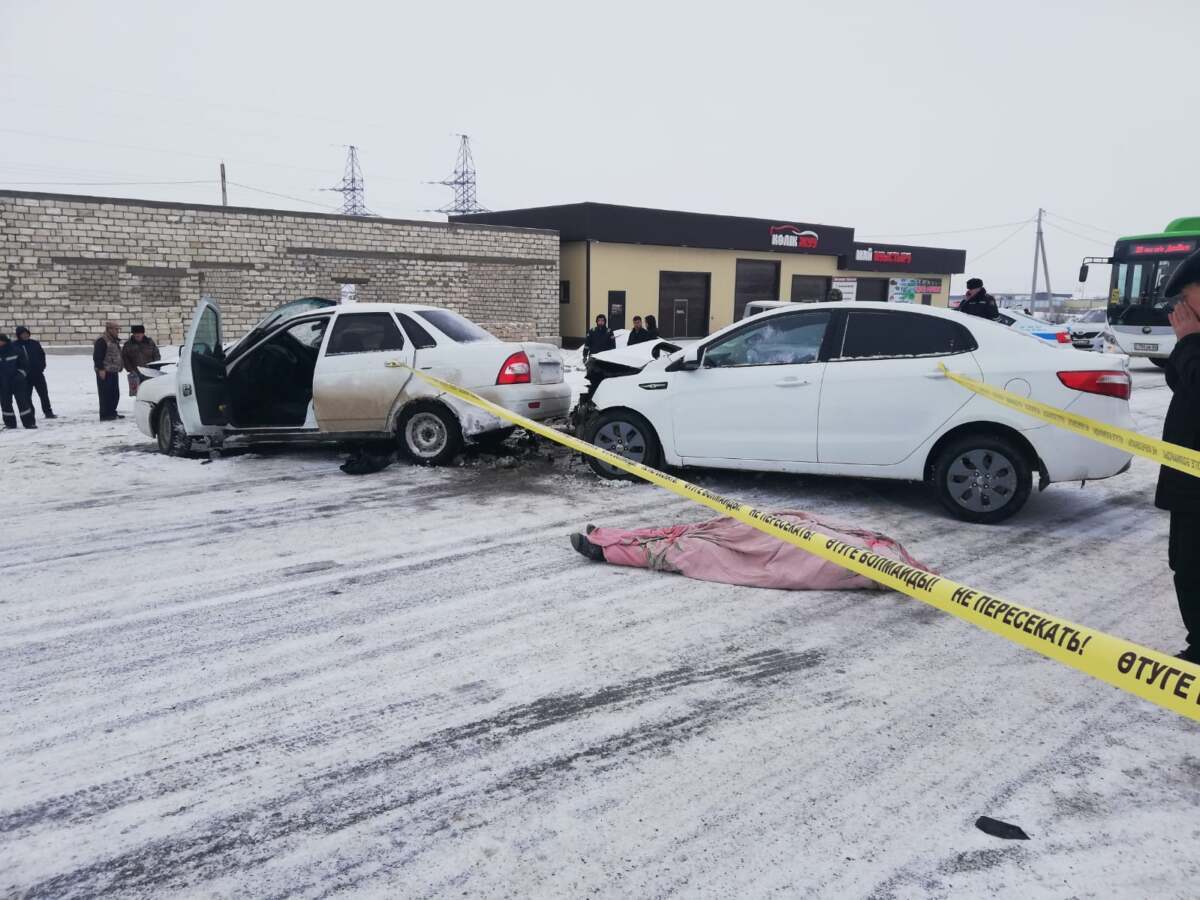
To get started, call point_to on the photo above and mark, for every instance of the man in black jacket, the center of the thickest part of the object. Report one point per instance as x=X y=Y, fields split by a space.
x=637 y=334
x=978 y=302
x=598 y=339
x=14 y=385
x=37 y=369
x=1179 y=492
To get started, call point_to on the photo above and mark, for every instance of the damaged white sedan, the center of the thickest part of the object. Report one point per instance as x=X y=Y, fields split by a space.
x=317 y=371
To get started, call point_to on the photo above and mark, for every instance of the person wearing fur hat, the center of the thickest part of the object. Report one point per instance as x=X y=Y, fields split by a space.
x=1178 y=492
x=37 y=369
x=978 y=302
x=139 y=350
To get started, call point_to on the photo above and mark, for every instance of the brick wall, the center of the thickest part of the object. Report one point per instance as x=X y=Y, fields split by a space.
x=68 y=263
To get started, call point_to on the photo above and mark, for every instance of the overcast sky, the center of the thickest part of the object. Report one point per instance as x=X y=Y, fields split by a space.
x=894 y=118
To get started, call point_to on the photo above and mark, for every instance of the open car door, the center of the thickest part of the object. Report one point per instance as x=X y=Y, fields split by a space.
x=200 y=379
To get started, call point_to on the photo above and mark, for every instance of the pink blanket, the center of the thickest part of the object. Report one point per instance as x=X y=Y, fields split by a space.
x=727 y=551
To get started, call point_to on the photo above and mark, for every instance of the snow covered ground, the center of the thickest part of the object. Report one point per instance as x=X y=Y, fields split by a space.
x=258 y=676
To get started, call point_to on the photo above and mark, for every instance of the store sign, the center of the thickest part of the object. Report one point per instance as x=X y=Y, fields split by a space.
x=1163 y=248
x=847 y=288
x=793 y=238
x=890 y=257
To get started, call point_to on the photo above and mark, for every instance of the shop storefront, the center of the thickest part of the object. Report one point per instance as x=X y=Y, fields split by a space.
x=695 y=273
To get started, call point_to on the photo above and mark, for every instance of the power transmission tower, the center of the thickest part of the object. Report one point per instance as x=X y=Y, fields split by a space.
x=352 y=187
x=1039 y=249
x=463 y=183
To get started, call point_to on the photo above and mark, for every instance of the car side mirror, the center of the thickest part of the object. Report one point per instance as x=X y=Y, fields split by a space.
x=1083 y=273
x=686 y=360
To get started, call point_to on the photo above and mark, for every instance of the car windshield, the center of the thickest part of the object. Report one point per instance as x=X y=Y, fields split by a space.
x=278 y=314
x=454 y=326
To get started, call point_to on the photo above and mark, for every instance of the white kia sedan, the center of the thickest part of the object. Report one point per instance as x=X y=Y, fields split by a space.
x=316 y=371
x=856 y=389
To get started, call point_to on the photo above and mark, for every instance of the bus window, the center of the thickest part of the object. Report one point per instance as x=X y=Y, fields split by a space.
x=1135 y=290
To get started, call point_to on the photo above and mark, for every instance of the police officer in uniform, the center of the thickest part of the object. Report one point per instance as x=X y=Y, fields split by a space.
x=978 y=302
x=1178 y=492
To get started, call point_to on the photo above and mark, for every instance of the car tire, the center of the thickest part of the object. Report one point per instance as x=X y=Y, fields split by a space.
x=172 y=439
x=626 y=433
x=982 y=478
x=1161 y=363
x=429 y=434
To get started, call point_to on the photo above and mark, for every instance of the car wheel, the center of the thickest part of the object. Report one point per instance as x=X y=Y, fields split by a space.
x=429 y=434
x=982 y=478
x=1161 y=363
x=626 y=434
x=171 y=437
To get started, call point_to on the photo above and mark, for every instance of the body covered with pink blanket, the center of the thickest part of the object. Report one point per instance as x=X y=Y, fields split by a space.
x=730 y=552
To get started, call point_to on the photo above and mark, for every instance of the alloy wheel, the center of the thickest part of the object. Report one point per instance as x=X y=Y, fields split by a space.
x=982 y=480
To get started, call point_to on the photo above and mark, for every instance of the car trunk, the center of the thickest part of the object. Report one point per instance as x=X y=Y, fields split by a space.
x=546 y=362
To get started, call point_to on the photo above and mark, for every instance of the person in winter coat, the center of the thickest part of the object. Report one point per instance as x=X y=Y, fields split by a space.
x=14 y=385
x=1178 y=492
x=637 y=334
x=731 y=552
x=598 y=339
x=106 y=360
x=978 y=302
x=138 y=351
x=651 y=328
x=37 y=369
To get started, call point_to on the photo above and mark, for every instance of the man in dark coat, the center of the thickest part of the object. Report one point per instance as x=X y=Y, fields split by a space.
x=139 y=350
x=37 y=369
x=106 y=360
x=14 y=385
x=637 y=334
x=978 y=302
x=599 y=338
x=1179 y=492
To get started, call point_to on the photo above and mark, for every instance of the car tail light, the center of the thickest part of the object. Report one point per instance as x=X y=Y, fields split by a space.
x=1108 y=383
x=515 y=370
x=1063 y=337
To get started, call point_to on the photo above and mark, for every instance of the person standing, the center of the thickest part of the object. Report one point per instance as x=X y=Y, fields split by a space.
x=1179 y=492
x=37 y=370
x=598 y=339
x=106 y=359
x=637 y=334
x=651 y=328
x=14 y=385
x=139 y=350
x=978 y=302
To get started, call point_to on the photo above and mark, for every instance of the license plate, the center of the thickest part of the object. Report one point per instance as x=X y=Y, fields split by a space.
x=1153 y=348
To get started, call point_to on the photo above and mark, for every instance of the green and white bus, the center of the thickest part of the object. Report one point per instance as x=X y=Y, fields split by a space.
x=1137 y=308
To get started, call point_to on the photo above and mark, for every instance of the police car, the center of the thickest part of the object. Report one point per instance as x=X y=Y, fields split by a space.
x=1027 y=324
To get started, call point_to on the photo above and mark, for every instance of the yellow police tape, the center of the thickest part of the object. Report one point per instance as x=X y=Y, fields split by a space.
x=1182 y=458
x=1164 y=680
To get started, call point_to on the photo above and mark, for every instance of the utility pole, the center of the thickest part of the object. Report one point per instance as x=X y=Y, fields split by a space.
x=224 y=192
x=1039 y=249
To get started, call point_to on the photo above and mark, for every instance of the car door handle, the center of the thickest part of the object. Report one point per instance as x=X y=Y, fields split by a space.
x=936 y=373
x=393 y=364
x=791 y=382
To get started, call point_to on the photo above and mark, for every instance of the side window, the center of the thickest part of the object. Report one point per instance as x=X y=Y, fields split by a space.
x=208 y=335
x=422 y=339
x=895 y=334
x=308 y=334
x=364 y=333
x=775 y=341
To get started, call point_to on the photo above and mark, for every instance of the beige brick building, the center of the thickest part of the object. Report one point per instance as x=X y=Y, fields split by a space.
x=69 y=262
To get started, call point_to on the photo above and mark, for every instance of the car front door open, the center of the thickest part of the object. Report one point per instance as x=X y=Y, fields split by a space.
x=755 y=395
x=363 y=367
x=201 y=395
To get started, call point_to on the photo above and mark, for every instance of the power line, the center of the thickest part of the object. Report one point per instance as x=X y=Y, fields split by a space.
x=1082 y=237
x=997 y=246
x=955 y=231
x=282 y=196
x=1082 y=224
x=107 y=183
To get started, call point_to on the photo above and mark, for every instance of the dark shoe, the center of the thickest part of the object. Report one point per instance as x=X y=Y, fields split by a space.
x=109 y=418
x=1189 y=654
x=589 y=529
x=49 y=415
x=586 y=548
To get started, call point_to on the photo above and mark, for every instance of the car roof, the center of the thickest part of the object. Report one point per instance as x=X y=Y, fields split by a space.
x=355 y=306
x=866 y=304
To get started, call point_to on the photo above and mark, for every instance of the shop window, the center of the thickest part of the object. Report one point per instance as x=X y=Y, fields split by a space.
x=873 y=290
x=810 y=288
x=564 y=292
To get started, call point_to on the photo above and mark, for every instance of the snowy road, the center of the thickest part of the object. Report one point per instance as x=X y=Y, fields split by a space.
x=257 y=676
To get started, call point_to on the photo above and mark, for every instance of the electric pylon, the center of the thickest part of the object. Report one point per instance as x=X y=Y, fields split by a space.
x=463 y=183
x=352 y=187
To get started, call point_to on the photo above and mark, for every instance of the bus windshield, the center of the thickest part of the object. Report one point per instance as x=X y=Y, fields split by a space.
x=1136 y=294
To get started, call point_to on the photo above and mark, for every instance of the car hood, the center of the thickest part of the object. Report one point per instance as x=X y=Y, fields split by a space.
x=635 y=357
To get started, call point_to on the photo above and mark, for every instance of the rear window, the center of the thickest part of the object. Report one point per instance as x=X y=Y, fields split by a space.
x=873 y=335
x=421 y=338
x=454 y=326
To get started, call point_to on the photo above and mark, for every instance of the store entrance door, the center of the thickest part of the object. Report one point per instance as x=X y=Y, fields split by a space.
x=683 y=304
x=616 y=310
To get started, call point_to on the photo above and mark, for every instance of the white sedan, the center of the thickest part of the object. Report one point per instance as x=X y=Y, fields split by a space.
x=856 y=389
x=316 y=371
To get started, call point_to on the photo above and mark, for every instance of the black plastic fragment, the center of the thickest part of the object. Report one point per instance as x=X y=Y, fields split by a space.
x=999 y=829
